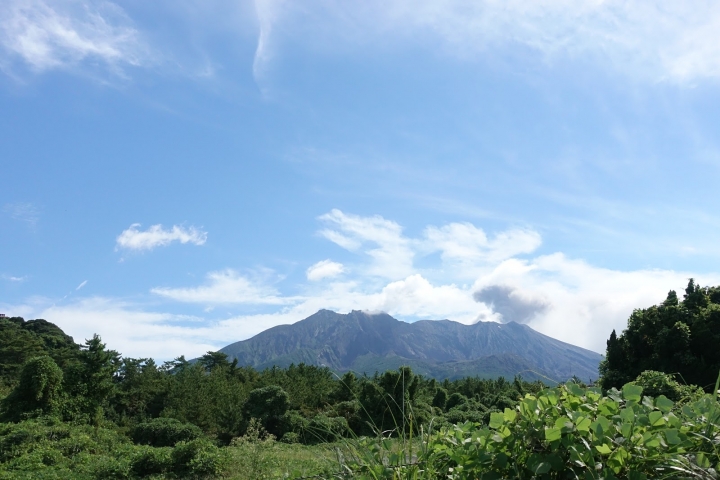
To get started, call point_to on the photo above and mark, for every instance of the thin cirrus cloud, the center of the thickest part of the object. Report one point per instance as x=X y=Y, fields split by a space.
x=24 y=212
x=324 y=269
x=156 y=236
x=674 y=41
x=225 y=287
x=66 y=33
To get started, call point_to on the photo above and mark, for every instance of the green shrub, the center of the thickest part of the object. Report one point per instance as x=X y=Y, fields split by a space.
x=290 y=437
x=267 y=404
x=149 y=460
x=655 y=384
x=561 y=433
x=198 y=457
x=326 y=429
x=39 y=391
x=105 y=466
x=164 y=432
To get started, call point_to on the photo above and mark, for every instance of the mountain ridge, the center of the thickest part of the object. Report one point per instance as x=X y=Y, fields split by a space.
x=438 y=348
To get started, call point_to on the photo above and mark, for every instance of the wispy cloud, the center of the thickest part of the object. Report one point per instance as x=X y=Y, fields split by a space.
x=566 y=298
x=465 y=243
x=390 y=251
x=324 y=269
x=67 y=33
x=82 y=284
x=23 y=212
x=157 y=236
x=11 y=278
x=663 y=41
x=226 y=287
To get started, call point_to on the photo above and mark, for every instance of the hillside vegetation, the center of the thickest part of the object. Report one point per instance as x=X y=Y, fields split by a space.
x=84 y=411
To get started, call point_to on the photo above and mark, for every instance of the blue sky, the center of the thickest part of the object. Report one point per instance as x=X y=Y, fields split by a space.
x=179 y=175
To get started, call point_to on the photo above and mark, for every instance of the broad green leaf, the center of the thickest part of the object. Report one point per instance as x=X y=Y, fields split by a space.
x=656 y=419
x=501 y=460
x=555 y=461
x=617 y=459
x=607 y=406
x=542 y=468
x=627 y=415
x=672 y=436
x=702 y=460
x=600 y=425
x=582 y=424
x=603 y=449
x=651 y=440
x=663 y=404
x=552 y=434
x=632 y=392
x=563 y=422
x=528 y=407
x=575 y=389
x=496 y=420
x=509 y=415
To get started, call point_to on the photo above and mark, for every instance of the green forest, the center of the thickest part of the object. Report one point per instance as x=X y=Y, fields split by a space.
x=84 y=411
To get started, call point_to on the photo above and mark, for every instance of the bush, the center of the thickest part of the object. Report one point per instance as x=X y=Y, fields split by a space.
x=658 y=383
x=198 y=457
x=149 y=460
x=164 y=432
x=290 y=437
x=574 y=432
x=103 y=467
x=326 y=429
x=267 y=404
x=39 y=391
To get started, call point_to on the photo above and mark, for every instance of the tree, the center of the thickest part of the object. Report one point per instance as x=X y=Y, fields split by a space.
x=91 y=380
x=213 y=360
x=39 y=391
x=267 y=404
x=673 y=337
x=141 y=389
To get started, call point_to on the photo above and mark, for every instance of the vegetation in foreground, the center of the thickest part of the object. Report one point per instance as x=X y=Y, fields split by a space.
x=73 y=411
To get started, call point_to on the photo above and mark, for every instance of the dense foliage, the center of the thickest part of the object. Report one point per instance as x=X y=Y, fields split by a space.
x=87 y=409
x=677 y=337
x=84 y=411
x=562 y=433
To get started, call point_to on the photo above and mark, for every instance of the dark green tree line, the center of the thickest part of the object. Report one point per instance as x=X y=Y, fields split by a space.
x=675 y=337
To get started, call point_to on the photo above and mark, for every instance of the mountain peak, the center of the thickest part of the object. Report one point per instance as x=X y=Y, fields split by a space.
x=366 y=341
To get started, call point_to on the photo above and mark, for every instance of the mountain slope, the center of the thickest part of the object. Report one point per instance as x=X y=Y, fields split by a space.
x=440 y=348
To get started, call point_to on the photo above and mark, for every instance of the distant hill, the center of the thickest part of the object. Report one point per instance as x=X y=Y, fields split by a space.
x=366 y=343
x=22 y=340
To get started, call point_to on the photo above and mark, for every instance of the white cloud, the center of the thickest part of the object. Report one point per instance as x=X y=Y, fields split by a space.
x=82 y=284
x=392 y=254
x=225 y=287
x=586 y=302
x=130 y=330
x=564 y=298
x=676 y=41
x=12 y=278
x=156 y=236
x=23 y=212
x=463 y=242
x=324 y=269
x=64 y=33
